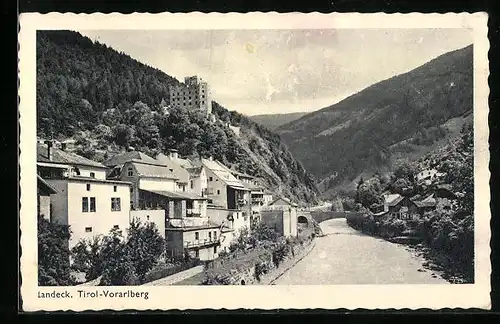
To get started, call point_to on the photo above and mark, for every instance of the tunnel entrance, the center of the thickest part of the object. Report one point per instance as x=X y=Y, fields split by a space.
x=302 y=220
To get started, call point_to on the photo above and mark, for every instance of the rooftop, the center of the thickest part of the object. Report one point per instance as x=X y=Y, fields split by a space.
x=63 y=157
x=176 y=164
x=154 y=170
x=393 y=199
x=122 y=158
x=223 y=173
x=177 y=195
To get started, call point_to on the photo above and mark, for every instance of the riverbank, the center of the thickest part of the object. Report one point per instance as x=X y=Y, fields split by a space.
x=438 y=263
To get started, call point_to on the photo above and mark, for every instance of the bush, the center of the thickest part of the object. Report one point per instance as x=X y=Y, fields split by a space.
x=145 y=246
x=118 y=266
x=53 y=254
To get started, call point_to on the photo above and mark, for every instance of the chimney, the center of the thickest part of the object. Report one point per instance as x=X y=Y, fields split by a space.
x=49 y=146
x=174 y=154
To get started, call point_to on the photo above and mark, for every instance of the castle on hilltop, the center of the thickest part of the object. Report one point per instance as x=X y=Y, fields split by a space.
x=194 y=93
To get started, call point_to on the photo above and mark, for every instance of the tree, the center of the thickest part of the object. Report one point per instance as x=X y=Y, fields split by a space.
x=145 y=245
x=118 y=267
x=53 y=254
x=123 y=135
x=87 y=257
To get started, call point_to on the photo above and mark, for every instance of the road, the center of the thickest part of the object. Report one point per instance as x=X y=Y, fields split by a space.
x=346 y=256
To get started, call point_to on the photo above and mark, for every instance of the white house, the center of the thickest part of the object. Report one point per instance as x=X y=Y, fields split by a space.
x=85 y=200
x=281 y=214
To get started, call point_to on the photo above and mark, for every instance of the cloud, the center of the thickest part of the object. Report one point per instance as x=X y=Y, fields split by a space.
x=255 y=70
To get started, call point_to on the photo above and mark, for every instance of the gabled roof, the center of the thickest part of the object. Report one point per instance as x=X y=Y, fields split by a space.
x=241 y=174
x=425 y=203
x=392 y=199
x=151 y=170
x=185 y=163
x=63 y=157
x=195 y=172
x=181 y=173
x=122 y=158
x=286 y=200
x=223 y=173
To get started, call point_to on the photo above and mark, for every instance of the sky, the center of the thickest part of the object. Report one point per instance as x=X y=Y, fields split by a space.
x=282 y=71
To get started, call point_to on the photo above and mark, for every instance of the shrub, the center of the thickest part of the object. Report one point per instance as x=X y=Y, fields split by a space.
x=118 y=266
x=145 y=246
x=53 y=254
x=87 y=257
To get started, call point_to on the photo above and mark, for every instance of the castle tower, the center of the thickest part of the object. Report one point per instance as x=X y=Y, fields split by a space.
x=194 y=93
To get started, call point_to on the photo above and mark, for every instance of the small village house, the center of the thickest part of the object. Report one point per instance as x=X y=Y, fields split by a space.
x=85 y=200
x=229 y=201
x=399 y=207
x=428 y=176
x=281 y=214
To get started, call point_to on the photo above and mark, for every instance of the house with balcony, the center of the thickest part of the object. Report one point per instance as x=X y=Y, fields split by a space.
x=228 y=199
x=197 y=237
x=85 y=200
x=399 y=207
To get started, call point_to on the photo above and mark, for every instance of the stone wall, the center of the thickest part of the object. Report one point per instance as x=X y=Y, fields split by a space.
x=245 y=275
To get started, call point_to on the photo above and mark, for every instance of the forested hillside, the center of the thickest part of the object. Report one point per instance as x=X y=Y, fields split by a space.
x=403 y=116
x=108 y=101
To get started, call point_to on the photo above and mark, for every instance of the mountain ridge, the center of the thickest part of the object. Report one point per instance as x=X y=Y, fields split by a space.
x=356 y=133
x=273 y=121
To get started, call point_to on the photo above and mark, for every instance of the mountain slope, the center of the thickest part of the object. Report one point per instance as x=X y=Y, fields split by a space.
x=273 y=121
x=362 y=132
x=107 y=101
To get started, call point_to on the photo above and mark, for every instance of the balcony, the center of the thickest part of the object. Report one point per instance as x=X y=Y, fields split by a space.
x=193 y=213
x=201 y=243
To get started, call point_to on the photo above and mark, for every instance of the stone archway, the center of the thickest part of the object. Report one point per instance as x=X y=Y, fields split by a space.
x=303 y=220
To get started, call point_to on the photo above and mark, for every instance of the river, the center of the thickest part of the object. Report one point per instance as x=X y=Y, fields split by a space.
x=347 y=256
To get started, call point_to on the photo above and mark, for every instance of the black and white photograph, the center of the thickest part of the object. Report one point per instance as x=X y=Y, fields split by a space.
x=309 y=153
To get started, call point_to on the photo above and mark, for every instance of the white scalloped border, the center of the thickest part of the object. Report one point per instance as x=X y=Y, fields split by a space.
x=349 y=297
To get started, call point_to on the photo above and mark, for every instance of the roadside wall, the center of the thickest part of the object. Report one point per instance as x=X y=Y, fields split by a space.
x=246 y=275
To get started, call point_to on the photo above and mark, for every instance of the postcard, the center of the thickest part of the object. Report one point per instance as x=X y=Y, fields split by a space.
x=322 y=161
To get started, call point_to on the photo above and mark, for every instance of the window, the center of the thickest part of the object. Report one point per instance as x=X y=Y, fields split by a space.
x=92 y=174
x=183 y=187
x=192 y=184
x=209 y=236
x=88 y=229
x=197 y=254
x=85 y=204
x=115 y=204
x=218 y=191
x=88 y=186
x=115 y=188
x=131 y=190
x=116 y=226
x=215 y=249
x=130 y=172
x=92 y=204
x=211 y=179
x=196 y=235
x=215 y=235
